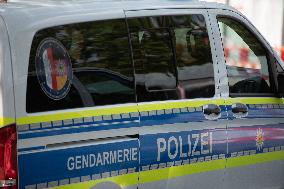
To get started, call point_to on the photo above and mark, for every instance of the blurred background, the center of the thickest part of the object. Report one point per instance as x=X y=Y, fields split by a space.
x=266 y=15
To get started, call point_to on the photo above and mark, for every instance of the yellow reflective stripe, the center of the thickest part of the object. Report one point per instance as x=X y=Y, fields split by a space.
x=254 y=100
x=254 y=159
x=4 y=121
x=122 y=181
x=45 y=117
x=178 y=171
x=178 y=104
x=63 y=115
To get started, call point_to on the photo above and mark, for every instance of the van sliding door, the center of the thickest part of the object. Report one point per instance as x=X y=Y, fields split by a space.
x=182 y=129
x=79 y=126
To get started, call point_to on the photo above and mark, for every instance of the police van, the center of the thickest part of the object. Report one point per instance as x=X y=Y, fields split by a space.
x=137 y=95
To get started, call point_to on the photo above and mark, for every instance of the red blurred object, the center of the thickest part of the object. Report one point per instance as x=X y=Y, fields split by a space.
x=226 y=52
x=244 y=54
x=282 y=53
x=8 y=157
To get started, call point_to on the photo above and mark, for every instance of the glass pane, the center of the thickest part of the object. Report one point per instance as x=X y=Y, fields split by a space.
x=194 y=58
x=102 y=69
x=246 y=59
x=153 y=57
x=156 y=52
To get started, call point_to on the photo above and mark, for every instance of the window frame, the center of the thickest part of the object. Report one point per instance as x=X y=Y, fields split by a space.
x=124 y=16
x=132 y=14
x=268 y=50
x=93 y=21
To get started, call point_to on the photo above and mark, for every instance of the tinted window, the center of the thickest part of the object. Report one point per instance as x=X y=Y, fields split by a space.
x=246 y=59
x=193 y=56
x=153 y=56
x=102 y=68
x=172 y=57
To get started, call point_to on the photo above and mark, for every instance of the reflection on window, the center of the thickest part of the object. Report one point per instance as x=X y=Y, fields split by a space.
x=246 y=59
x=172 y=55
x=194 y=58
x=102 y=68
x=156 y=52
x=153 y=58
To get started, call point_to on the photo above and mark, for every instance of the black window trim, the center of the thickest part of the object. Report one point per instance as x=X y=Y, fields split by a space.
x=170 y=28
x=235 y=95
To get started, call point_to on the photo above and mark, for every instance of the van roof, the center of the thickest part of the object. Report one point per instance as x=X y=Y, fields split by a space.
x=41 y=8
x=32 y=15
x=124 y=3
x=20 y=14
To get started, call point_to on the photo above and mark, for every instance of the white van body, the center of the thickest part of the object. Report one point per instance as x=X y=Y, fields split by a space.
x=230 y=135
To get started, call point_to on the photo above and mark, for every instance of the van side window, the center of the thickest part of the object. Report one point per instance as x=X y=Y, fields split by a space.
x=193 y=56
x=246 y=59
x=153 y=56
x=172 y=58
x=101 y=66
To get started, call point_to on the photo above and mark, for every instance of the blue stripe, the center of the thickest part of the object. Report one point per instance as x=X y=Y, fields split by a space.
x=63 y=125
x=260 y=113
x=43 y=167
x=173 y=118
x=83 y=128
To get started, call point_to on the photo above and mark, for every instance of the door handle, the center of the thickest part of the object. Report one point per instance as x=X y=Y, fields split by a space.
x=239 y=110
x=212 y=111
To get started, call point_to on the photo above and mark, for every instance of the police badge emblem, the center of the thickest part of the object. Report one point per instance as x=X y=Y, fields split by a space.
x=53 y=68
x=259 y=139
